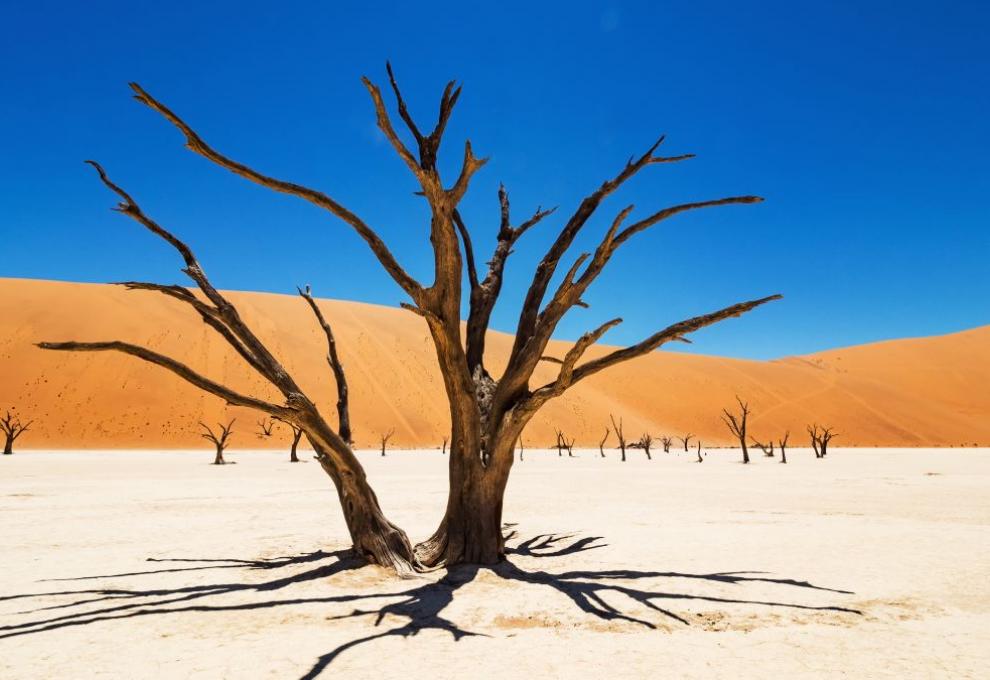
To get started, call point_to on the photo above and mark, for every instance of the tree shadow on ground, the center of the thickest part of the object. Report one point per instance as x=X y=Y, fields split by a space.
x=417 y=608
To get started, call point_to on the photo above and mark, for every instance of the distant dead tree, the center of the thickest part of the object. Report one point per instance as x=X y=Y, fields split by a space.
x=12 y=428
x=487 y=412
x=265 y=428
x=700 y=459
x=385 y=437
x=521 y=447
x=601 y=444
x=820 y=437
x=444 y=448
x=767 y=451
x=783 y=446
x=297 y=434
x=686 y=439
x=617 y=428
x=645 y=442
x=666 y=441
x=564 y=443
x=219 y=438
x=737 y=425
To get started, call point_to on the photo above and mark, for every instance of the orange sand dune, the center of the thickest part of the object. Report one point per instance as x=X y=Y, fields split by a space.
x=927 y=391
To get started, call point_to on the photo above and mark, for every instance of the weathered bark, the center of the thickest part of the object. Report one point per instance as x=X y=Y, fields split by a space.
x=737 y=426
x=487 y=414
x=339 y=377
x=12 y=428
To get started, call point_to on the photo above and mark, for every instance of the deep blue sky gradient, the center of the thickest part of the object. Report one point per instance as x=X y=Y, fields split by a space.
x=864 y=124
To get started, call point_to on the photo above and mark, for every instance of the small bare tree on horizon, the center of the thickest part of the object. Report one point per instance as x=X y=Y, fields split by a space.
x=220 y=438
x=737 y=425
x=820 y=438
x=686 y=439
x=617 y=428
x=700 y=459
x=563 y=443
x=767 y=449
x=265 y=428
x=385 y=437
x=782 y=444
x=487 y=412
x=601 y=444
x=12 y=428
x=666 y=442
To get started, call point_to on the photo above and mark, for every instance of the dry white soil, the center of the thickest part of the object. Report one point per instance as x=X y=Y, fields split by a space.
x=870 y=563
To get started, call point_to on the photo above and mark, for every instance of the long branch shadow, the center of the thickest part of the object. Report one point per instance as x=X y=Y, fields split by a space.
x=417 y=608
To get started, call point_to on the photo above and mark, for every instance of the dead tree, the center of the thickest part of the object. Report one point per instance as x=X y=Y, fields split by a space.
x=521 y=447
x=820 y=437
x=617 y=428
x=700 y=459
x=343 y=410
x=265 y=428
x=297 y=434
x=443 y=449
x=12 y=428
x=385 y=437
x=487 y=413
x=219 y=439
x=564 y=443
x=782 y=443
x=645 y=442
x=686 y=440
x=767 y=451
x=666 y=441
x=737 y=425
x=601 y=444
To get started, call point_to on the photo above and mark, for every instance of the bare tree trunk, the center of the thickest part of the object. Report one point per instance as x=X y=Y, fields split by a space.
x=296 y=436
x=737 y=425
x=218 y=460
x=8 y=446
x=601 y=444
x=700 y=459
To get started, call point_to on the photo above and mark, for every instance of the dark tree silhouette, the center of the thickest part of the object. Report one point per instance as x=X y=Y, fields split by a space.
x=521 y=446
x=645 y=442
x=820 y=438
x=700 y=459
x=219 y=438
x=385 y=437
x=265 y=427
x=444 y=448
x=601 y=444
x=666 y=442
x=617 y=428
x=343 y=410
x=737 y=425
x=766 y=449
x=12 y=428
x=686 y=439
x=782 y=443
x=487 y=413
x=563 y=443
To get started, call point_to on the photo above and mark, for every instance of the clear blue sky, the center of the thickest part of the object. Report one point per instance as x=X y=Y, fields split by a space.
x=865 y=125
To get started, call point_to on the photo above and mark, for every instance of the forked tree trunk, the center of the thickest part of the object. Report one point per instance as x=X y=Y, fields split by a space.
x=296 y=436
x=218 y=460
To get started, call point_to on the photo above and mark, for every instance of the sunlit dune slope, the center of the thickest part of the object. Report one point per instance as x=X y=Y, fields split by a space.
x=931 y=391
